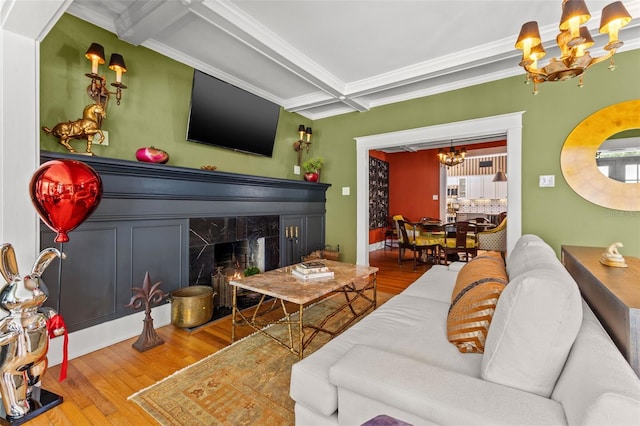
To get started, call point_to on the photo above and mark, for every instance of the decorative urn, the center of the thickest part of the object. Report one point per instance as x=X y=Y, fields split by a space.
x=311 y=177
x=152 y=155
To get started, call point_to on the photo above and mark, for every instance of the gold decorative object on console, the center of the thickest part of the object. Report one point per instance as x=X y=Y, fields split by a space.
x=612 y=256
x=83 y=128
x=573 y=40
x=300 y=144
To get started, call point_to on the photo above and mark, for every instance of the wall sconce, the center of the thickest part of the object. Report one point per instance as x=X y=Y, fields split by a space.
x=98 y=90
x=303 y=133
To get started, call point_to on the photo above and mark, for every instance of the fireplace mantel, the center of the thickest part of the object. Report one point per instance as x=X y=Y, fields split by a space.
x=142 y=224
x=205 y=192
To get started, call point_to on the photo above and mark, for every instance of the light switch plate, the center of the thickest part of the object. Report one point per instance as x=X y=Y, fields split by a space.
x=346 y=190
x=96 y=138
x=435 y=197
x=296 y=170
x=547 y=181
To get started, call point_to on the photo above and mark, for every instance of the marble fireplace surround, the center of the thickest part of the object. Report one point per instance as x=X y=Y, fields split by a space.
x=139 y=196
x=226 y=246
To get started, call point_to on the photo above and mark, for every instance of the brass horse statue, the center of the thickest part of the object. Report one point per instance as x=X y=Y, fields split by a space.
x=83 y=128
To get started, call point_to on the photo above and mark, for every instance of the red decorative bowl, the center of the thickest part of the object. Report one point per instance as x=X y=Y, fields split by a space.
x=152 y=155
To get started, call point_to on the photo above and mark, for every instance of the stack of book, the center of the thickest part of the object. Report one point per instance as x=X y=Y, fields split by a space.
x=311 y=271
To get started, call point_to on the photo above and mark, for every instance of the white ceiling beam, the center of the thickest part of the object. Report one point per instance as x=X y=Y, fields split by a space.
x=235 y=22
x=144 y=19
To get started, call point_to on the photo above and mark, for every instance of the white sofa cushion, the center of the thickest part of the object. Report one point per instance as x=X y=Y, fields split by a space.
x=535 y=323
x=530 y=252
x=411 y=326
x=421 y=394
x=597 y=385
x=436 y=284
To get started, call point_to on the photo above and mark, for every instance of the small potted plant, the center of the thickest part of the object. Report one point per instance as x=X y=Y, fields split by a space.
x=312 y=168
x=251 y=270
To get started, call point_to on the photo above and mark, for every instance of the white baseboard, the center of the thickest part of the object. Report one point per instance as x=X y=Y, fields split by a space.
x=106 y=334
x=380 y=246
x=376 y=246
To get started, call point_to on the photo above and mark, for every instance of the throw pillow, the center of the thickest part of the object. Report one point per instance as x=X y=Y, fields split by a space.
x=534 y=325
x=474 y=298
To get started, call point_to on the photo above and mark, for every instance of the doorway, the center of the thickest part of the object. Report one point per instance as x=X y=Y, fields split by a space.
x=508 y=125
x=475 y=188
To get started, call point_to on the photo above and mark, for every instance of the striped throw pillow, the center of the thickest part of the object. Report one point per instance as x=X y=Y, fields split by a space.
x=473 y=301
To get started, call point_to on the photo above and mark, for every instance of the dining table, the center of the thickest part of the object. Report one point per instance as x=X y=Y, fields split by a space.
x=482 y=226
x=430 y=226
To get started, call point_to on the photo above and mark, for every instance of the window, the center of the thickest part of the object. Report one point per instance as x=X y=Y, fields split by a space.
x=604 y=170
x=632 y=173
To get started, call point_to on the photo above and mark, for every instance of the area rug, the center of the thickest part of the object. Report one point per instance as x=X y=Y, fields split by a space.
x=246 y=383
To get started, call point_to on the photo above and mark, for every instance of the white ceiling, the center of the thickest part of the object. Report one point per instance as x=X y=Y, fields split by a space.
x=323 y=58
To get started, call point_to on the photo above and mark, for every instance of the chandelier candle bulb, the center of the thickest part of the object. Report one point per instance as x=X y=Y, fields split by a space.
x=574 y=14
x=95 y=54
x=117 y=64
x=614 y=17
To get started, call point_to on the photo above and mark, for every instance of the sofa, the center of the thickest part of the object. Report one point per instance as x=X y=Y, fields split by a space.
x=541 y=358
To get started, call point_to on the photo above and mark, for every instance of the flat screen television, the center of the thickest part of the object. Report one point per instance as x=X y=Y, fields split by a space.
x=226 y=116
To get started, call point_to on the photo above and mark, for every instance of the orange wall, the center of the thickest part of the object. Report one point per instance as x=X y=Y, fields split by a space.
x=414 y=178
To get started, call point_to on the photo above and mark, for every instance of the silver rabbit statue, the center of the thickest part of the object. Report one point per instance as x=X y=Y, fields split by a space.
x=24 y=339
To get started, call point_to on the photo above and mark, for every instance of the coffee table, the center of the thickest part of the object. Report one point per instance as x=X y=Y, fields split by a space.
x=353 y=281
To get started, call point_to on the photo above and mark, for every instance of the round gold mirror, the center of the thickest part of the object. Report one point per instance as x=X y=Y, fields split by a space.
x=578 y=157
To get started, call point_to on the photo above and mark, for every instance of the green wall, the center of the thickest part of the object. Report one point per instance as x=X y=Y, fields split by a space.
x=154 y=111
x=557 y=214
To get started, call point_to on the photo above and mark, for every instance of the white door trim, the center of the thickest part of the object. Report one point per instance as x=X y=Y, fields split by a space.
x=508 y=125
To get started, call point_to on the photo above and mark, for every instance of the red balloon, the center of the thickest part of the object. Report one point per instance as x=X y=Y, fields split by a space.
x=65 y=193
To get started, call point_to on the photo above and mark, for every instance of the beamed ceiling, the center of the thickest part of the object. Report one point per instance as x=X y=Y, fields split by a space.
x=322 y=58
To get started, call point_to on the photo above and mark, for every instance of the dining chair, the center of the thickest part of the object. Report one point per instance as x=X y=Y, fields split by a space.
x=459 y=237
x=423 y=247
x=390 y=234
x=494 y=239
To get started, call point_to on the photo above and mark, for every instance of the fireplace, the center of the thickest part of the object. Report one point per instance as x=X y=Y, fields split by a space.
x=221 y=248
x=157 y=218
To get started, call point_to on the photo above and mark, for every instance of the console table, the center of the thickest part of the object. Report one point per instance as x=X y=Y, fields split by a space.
x=612 y=293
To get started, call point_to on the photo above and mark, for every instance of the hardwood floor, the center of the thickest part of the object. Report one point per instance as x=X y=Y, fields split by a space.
x=98 y=384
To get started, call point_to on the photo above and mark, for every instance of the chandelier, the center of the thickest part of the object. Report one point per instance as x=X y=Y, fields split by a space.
x=573 y=40
x=453 y=157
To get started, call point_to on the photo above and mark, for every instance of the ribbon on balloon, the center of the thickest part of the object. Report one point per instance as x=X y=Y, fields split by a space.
x=56 y=327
